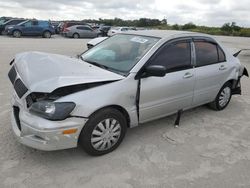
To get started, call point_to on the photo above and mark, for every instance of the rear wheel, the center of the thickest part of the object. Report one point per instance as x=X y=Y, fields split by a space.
x=76 y=36
x=103 y=132
x=46 y=34
x=17 y=34
x=223 y=98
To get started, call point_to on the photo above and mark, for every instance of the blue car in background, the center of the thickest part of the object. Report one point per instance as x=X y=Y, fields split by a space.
x=32 y=28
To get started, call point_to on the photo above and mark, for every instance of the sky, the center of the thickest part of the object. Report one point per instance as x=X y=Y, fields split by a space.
x=200 y=12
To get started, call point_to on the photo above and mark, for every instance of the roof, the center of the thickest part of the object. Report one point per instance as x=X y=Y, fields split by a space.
x=165 y=33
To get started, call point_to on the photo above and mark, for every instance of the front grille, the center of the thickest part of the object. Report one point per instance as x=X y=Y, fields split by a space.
x=20 y=88
x=12 y=74
x=16 y=111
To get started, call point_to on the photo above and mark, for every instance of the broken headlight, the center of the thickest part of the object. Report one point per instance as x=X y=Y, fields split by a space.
x=52 y=110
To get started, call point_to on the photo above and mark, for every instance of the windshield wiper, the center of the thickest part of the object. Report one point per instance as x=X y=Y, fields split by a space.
x=97 y=64
x=103 y=66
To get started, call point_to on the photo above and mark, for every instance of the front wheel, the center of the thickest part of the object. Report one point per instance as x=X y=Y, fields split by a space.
x=46 y=34
x=76 y=36
x=17 y=34
x=223 y=98
x=103 y=132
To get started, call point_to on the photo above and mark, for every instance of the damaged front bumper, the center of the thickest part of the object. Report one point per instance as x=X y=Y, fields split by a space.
x=44 y=134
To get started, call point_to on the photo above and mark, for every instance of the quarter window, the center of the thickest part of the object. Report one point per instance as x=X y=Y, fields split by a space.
x=176 y=56
x=221 y=55
x=208 y=53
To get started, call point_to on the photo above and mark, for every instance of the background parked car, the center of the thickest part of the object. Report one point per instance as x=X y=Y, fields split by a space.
x=56 y=24
x=95 y=41
x=9 y=23
x=104 y=30
x=115 y=30
x=4 y=19
x=69 y=24
x=32 y=28
x=81 y=31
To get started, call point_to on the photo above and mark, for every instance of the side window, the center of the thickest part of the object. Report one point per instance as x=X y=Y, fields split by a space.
x=17 y=22
x=81 y=28
x=87 y=28
x=208 y=53
x=175 y=56
x=34 y=23
x=27 y=24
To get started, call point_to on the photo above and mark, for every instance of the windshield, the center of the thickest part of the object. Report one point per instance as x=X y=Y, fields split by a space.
x=119 y=53
x=2 y=21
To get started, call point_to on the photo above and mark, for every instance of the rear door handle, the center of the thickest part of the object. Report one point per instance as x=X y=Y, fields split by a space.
x=222 y=67
x=188 y=75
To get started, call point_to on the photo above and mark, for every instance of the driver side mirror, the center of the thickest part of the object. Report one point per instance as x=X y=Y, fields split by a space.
x=155 y=70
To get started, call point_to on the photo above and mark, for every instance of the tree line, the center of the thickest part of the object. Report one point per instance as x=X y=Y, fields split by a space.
x=231 y=29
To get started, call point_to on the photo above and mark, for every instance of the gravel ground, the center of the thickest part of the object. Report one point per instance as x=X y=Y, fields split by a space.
x=209 y=149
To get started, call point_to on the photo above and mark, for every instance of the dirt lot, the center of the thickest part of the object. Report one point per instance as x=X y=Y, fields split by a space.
x=209 y=149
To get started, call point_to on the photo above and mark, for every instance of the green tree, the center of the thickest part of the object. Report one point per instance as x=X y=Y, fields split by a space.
x=188 y=26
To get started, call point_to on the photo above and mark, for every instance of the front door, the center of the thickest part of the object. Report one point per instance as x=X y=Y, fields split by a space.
x=161 y=96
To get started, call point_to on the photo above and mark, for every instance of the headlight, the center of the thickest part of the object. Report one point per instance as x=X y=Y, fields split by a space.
x=9 y=27
x=52 y=110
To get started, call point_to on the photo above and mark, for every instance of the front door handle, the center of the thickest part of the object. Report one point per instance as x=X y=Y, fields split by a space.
x=222 y=67
x=188 y=75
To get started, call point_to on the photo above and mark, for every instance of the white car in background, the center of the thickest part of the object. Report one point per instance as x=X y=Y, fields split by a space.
x=115 y=30
x=95 y=41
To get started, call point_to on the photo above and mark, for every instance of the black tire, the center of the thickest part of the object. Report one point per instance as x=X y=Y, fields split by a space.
x=87 y=133
x=47 y=34
x=17 y=34
x=76 y=36
x=217 y=104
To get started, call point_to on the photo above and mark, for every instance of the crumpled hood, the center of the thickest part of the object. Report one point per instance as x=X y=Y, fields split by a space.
x=44 y=72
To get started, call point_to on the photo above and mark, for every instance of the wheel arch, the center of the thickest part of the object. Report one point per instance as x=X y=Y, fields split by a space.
x=47 y=31
x=233 y=82
x=17 y=30
x=76 y=33
x=117 y=107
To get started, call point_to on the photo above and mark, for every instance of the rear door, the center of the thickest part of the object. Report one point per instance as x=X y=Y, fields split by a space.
x=211 y=70
x=37 y=27
x=160 y=96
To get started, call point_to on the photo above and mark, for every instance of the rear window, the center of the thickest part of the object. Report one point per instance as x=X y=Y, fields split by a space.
x=208 y=53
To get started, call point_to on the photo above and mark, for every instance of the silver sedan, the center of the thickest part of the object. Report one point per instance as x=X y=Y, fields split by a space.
x=81 y=31
x=126 y=80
